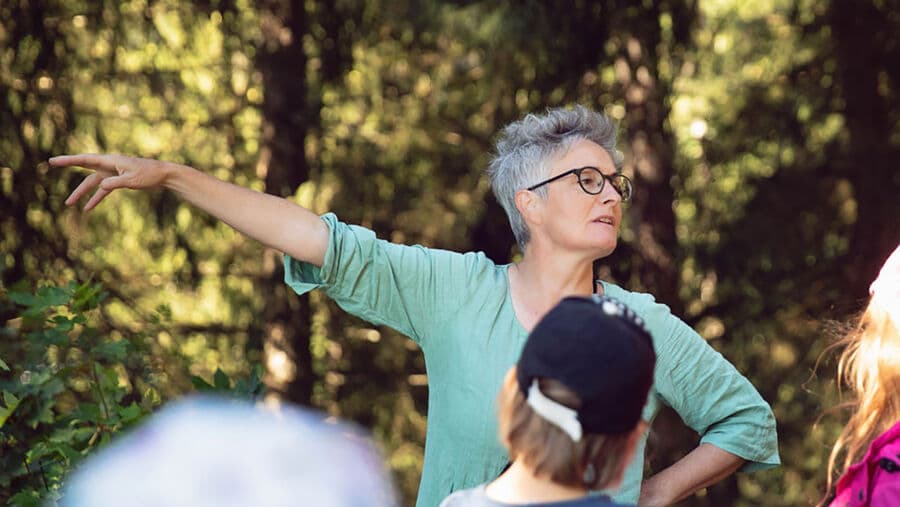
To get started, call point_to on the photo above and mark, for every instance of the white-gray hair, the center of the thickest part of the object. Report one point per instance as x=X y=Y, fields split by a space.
x=526 y=148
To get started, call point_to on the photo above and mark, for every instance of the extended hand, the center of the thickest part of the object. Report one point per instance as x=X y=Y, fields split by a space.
x=271 y=220
x=112 y=172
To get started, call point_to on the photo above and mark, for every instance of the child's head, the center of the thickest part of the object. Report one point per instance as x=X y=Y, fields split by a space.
x=870 y=366
x=571 y=409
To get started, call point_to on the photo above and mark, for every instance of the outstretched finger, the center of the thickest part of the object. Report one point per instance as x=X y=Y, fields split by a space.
x=114 y=182
x=95 y=199
x=89 y=160
x=84 y=187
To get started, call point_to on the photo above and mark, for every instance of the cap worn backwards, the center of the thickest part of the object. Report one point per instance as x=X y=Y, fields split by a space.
x=599 y=349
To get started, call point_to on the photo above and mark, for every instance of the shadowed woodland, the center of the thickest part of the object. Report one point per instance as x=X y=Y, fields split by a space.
x=763 y=139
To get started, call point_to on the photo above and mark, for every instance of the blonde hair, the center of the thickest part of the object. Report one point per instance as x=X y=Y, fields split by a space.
x=595 y=462
x=870 y=367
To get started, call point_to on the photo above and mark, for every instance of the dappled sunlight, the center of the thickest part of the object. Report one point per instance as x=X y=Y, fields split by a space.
x=280 y=367
x=385 y=113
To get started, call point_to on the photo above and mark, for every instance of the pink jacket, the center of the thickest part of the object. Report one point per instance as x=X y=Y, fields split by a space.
x=874 y=481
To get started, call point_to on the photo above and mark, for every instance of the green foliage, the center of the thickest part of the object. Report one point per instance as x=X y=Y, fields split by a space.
x=63 y=396
x=761 y=136
x=250 y=387
x=71 y=388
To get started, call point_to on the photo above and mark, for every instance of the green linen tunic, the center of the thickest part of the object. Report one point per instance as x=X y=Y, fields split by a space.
x=457 y=308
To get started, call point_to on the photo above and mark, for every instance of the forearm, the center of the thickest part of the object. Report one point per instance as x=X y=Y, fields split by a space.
x=271 y=220
x=702 y=467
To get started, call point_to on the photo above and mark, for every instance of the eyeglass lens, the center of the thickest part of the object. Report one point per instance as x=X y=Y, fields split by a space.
x=592 y=181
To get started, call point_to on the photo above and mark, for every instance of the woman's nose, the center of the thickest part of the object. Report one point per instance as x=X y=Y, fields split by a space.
x=609 y=195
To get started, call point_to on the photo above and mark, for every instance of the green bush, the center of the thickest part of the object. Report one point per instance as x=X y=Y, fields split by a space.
x=67 y=387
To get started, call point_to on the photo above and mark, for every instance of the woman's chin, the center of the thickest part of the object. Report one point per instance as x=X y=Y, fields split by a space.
x=601 y=249
x=595 y=247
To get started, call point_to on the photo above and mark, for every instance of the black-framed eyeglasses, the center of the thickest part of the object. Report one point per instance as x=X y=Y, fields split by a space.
x=592 y=181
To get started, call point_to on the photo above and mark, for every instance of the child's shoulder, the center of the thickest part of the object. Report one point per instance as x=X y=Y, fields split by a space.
x=602 y=501
x=473 y=497
x=476 y=497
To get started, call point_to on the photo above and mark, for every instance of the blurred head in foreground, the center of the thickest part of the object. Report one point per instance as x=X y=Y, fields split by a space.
x=221 y=452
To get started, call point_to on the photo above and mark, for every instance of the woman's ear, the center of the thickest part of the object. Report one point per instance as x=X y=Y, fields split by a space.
x=529 y=205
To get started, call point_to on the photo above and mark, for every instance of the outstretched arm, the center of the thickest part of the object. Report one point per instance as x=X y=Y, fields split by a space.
x=271 y=220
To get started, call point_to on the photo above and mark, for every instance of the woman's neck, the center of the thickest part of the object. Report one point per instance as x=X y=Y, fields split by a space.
x=541 y=280
x=519 y=485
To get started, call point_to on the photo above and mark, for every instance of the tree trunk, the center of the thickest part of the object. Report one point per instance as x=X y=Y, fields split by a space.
x=862 y=35
x=283 y=165
x=654 y=264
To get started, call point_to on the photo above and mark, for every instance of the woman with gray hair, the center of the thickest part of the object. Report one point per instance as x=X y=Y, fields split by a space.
x=558 y=177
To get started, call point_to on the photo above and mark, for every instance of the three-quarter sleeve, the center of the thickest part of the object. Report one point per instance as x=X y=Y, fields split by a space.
x=408 y=288
x=707 y=391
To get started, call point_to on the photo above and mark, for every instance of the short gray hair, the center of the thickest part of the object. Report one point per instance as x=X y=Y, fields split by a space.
x=526 y=148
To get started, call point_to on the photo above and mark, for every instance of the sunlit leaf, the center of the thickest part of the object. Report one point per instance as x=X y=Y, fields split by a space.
x=130 y=413
x=11 y=402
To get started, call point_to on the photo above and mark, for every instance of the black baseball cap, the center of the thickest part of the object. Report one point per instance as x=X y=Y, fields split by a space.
x=598 y=348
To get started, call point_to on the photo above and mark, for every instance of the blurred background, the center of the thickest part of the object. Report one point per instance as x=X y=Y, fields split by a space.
x=763 y=138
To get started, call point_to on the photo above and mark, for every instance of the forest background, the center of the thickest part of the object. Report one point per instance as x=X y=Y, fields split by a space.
x=762 y=136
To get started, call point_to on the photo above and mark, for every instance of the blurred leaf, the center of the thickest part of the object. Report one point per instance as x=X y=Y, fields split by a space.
x=10 y=399
x=52 y=296
x=89 y=412
x=252 y=386
x=87 y=296
x=200 y=384
x=220 y=380
x=53 y=336
x=23 y=299
x=130 y=413
x=25 y=498
x=63 y=324
x=165 y=312
x=71 y=434
x=111 y=350
x=11 y=402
